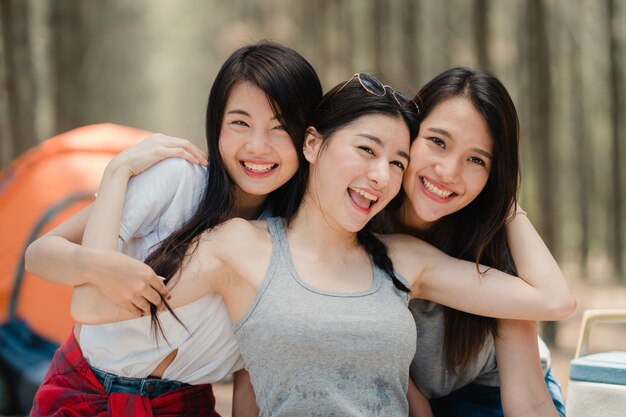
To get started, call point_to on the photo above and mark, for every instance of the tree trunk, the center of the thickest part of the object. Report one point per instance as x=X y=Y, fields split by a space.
x=481 y=32
x=583 y=153
x=546 y=165
x=19 y=85
x=69 y=47
x=380 y=13
x=615 y=214
x=410 y=43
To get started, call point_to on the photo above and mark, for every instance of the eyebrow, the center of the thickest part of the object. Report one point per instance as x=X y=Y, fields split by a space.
x=381 y=144
x=238 y=111
x=245 y=113
x=449 y=136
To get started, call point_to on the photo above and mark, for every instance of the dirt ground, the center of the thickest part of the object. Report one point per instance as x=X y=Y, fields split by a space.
x=597 y=292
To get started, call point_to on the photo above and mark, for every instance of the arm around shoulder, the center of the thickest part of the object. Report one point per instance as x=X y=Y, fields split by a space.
x=58 y=257
x=463 y=285
x=536 y=265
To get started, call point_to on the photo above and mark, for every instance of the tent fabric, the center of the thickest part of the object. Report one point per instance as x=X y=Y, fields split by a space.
x=66 y=165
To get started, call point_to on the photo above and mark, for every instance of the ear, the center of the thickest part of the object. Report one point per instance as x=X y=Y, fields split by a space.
x=312 y=144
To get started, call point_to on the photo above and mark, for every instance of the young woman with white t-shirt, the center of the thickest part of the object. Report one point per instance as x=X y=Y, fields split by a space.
x=259 y=106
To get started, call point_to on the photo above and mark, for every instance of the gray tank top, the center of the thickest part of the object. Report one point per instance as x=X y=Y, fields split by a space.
x=429 y=370
x=318 y=353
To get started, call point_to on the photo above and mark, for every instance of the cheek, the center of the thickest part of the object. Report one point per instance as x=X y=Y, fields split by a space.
x=477 y=183
x=285 y=150
x=410 y=180
x=226 y=147
x=397 y=181
x=419 y=150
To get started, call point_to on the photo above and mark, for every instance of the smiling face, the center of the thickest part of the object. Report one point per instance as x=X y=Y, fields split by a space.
x=357 y=170
x=258 y=154
x=450 y=162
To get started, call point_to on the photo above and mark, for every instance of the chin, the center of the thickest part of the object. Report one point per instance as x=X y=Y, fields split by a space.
x=428 y=215
x=353 y=227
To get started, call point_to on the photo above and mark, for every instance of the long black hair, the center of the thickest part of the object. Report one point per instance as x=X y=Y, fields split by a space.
x=293 y=90
x=344 y=105
x=477 y=232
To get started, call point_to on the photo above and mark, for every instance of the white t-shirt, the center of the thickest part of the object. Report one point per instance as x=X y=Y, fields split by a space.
x=157 y=202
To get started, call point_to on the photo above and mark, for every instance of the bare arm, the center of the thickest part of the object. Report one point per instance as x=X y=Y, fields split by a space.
x=244 y=399
x=535 y=264
x=101 y=233
x=418 y=403
x=523 y=390
x=541 y=294
x=58 y=257
x=522 y=386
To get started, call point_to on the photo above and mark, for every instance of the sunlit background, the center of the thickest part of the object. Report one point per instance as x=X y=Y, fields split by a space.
x=150 y=64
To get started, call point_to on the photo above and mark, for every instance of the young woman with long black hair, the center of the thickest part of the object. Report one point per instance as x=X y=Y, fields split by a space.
x=459 y=194
x=260 y=104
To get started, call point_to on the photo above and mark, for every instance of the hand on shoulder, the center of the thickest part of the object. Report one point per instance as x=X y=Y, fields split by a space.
x=153 y=149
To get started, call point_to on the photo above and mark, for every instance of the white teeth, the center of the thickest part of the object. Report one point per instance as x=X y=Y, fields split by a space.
x=433 y=189
x=364 y=194
x=258 y=167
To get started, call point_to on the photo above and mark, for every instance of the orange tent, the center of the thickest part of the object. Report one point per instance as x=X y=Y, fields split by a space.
x=42 y=188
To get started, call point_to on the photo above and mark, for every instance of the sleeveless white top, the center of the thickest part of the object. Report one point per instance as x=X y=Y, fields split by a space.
x=129 y=348
x=158 y=201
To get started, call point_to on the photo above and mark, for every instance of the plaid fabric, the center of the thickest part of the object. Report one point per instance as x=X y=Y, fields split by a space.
x=71 y=389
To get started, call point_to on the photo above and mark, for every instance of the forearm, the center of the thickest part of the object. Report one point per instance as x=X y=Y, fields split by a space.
x=58 y=257
x=418 y=403
x=57 y=260
x=522 y=386
x=244 y=399
x=89 y=305
x=103 y=225
x=535 y=264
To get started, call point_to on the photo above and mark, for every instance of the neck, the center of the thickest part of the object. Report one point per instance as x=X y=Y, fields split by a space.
x=247 y=206
x=405 y=220
x=311 y=229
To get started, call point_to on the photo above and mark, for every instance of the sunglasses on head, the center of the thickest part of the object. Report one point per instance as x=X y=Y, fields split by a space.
x=373 y=86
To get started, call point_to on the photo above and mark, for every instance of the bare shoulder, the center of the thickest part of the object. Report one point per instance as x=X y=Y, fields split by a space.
x=245 y=227
x=410 y=255
x=237 y=232
x=403 y=245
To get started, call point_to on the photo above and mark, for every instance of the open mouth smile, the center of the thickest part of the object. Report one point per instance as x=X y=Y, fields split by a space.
x=257 y=169
x=362 y=199
x=436 y=191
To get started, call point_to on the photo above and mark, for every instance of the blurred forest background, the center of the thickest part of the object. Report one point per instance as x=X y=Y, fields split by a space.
x=150 y=64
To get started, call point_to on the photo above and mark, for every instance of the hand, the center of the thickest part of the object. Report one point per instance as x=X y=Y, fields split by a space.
x=155 y=148
x=127 y=282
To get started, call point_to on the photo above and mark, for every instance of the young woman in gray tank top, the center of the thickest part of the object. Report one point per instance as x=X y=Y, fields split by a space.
x=318 y=300
x=459 y=194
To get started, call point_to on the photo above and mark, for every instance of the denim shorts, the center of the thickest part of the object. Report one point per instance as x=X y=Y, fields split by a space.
x=475 y=400
x=147 y=387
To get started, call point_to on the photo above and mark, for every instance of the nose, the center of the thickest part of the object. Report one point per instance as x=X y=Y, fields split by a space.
x=258 y=143
x=448 y=170
x=379 y=173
